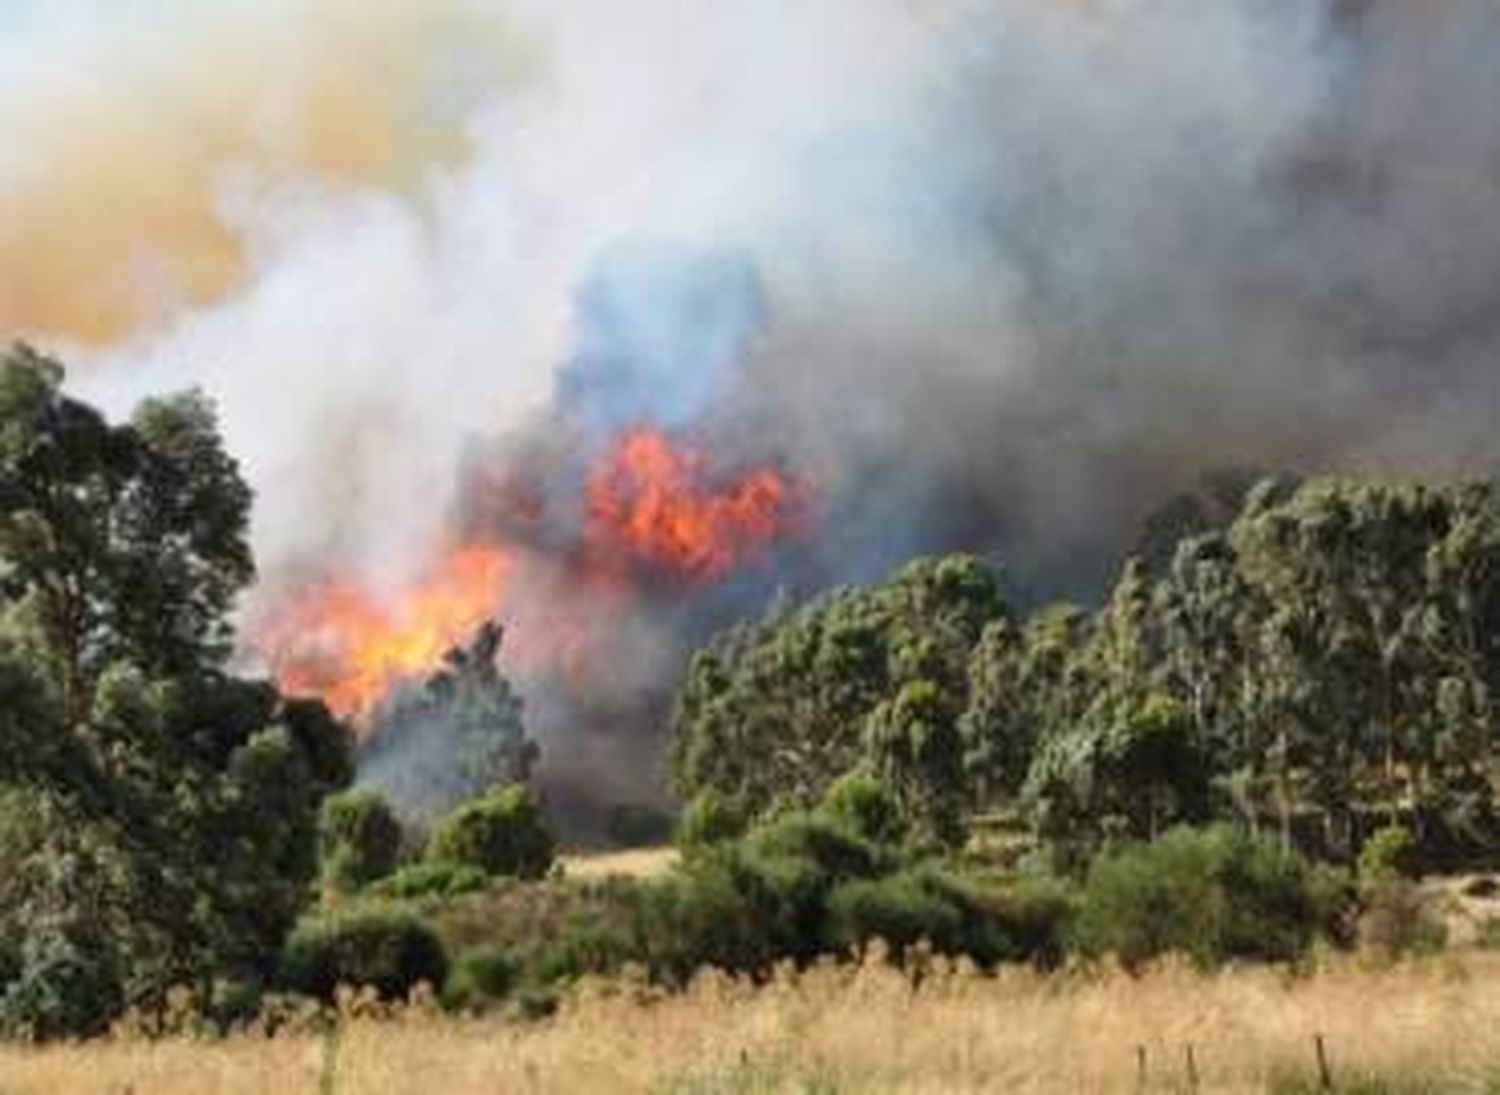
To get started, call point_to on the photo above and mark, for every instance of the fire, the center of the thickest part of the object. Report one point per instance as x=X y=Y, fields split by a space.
x=345 y=643
x=650 y=507
x=657 y=503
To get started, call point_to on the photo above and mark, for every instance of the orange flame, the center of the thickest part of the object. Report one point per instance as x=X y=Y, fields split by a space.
x=346 y=644
x=653 y=499
x=648 y=503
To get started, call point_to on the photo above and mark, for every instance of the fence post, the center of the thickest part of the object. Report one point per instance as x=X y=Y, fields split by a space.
x=1140 y=1066
x=1192 y=1067
x=1325 y=1074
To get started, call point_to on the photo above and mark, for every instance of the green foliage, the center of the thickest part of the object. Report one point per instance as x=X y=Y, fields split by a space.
x=480 y=976
x=1212 y=894
x=384 y=947
x=176 y=806
x=862 y=803
x=435 y=880
x=913 y=742
x=502 y=832
x=710 y=818
x=1387 y=853
x=776 y=710
x=359 y=839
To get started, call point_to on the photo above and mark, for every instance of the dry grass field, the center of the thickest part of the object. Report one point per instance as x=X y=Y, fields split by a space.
x=1428 y=1027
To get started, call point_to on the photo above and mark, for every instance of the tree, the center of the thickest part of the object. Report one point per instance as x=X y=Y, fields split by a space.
x=775 y=710
x=501 y=832
x=913 y=744
x=192 y=795
x=459 y=735
x=359 y=840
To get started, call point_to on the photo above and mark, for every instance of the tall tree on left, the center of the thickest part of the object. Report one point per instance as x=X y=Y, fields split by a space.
x=122 y=550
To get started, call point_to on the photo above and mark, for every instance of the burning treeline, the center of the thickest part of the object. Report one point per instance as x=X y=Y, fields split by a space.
x=610 y=320
x=652 y=522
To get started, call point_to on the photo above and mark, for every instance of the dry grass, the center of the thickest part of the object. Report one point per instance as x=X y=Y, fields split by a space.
x=632 y=863
x=1427 y=1027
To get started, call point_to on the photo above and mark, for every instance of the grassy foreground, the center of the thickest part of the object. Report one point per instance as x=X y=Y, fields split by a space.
x=1429 y=1027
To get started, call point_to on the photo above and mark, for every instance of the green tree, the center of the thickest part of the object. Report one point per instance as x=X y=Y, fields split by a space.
x=502 y=832
x=359 y=839
x=775 y=710
x=192 y=795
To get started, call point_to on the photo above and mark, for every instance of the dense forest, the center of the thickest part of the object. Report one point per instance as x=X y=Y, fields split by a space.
x=1323 y=663
x=1288 y=697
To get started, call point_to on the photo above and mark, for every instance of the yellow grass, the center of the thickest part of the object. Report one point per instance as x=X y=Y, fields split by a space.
x=633 y=863
x=861 y=1030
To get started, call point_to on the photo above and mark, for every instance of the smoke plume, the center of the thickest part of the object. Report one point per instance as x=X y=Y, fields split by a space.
x=984 y=274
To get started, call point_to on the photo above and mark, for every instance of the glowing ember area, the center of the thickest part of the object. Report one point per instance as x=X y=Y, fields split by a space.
x=348 y=645
x=657 y=503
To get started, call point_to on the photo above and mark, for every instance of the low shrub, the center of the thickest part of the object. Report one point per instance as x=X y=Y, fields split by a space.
x=1388 y=853
x=481 y=976
x=385 y=947
x=711 y=818
x=900 y=909
x=864 y=804
x=502 y=832
x=359 y=839
x=1212 y=894
x=440 y=881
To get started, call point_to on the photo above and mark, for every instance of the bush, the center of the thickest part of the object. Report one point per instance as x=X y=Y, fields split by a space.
x=429 y=880
x=1212 y=894
x=864 y=804
x=381 y=946
x=900 y=909
x=711 y=818
x=501 y=832
x=1388 y=853
x=481 y=976
x=67 y=985
x=359 y=839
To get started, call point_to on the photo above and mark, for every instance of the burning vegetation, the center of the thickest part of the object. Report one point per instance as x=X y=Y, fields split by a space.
x=655 y=520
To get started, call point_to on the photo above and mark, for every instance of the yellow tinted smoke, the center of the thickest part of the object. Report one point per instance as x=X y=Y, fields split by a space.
x=112 y=188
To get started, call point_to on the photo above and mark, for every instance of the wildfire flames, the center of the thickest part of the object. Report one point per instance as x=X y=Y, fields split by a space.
x=348 y=645
x=653 y=500
x=648 y=503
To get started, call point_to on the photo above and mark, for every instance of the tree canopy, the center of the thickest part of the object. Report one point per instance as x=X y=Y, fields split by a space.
x=159 y=814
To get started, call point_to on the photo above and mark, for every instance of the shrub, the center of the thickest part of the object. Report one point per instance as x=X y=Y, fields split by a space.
x=439 y=880
x=865 y=805
x=720 y=910
x=381 y=946
x=1388 y=853
x=900 y=909
x=711 y=818
x=1212 y=894
x=67 y=985
x=481 y=976
x=359 y=839
x=501 y=832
